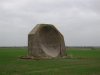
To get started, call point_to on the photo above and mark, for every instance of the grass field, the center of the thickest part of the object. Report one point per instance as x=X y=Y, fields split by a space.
x=83 y=62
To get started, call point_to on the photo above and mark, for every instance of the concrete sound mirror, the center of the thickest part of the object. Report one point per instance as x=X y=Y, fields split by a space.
x=45 y=41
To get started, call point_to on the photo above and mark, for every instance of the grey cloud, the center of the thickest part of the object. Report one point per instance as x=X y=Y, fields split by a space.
x=78 y=20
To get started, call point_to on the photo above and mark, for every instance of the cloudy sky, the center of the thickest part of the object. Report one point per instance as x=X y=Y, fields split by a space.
x=77 y=20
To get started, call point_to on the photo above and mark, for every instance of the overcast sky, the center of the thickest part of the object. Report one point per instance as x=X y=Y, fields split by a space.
x=77 y=20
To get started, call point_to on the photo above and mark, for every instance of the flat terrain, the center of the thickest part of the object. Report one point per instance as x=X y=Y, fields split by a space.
x=82 y=62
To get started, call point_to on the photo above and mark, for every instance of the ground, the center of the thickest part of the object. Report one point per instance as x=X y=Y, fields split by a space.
x=83 y=61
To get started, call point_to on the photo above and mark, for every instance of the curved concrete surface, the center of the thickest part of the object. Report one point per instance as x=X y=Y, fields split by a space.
x=50 y=41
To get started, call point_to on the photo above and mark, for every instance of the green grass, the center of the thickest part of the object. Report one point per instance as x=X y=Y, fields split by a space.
x=83 y=62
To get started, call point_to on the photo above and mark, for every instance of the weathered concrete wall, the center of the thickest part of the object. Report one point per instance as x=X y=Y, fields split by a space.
x=45 y=41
